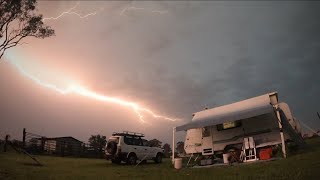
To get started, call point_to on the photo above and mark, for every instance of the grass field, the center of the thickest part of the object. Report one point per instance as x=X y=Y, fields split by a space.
x=304 y=164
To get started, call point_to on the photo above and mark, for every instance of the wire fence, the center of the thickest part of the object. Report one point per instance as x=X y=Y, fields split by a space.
x=57 y=146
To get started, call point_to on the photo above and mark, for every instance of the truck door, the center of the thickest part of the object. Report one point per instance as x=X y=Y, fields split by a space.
x=139 y=149
x=132 y=146
x=147 y=151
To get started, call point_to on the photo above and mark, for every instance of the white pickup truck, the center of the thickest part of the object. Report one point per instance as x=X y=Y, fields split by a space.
x=129 y=147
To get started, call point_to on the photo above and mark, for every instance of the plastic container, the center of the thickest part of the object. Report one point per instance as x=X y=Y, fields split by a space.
x=265 y=154
x=226 y=158
x=178 y=163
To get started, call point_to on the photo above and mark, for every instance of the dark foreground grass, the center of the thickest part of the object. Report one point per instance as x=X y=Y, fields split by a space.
x=304 y=164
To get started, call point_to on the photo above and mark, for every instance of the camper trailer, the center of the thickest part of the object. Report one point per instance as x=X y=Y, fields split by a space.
x=261 y=120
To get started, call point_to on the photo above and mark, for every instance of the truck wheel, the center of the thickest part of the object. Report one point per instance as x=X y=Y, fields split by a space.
x=132 y=159
x=158 y=158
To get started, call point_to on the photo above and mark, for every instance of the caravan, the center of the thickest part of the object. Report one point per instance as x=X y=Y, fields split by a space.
x=260 y=122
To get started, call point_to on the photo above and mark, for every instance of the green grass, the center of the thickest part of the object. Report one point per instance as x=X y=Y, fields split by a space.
x=304 y=164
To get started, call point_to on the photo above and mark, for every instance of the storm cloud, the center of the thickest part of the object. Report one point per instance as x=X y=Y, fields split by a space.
x=197 y=54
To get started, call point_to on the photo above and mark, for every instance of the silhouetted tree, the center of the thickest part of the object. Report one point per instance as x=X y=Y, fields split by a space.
x=98 y=142
x=167 y=149
x=154 y=143
x=18 y=20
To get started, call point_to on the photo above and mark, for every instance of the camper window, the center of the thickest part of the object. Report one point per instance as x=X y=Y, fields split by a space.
x=229 y=125
x=205 y=132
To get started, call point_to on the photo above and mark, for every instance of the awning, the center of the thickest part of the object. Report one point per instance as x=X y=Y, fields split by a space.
x=240 y=110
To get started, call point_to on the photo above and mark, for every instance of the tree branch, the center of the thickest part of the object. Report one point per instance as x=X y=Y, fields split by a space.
x=18 y=21
x=6 y=32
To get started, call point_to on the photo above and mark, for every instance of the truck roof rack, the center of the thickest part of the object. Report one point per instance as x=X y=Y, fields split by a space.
x=127 y=133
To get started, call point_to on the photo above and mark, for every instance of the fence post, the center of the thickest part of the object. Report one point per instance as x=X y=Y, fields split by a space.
x=24 y=137
x=62 y=148
x=6 y=141
x=42 y=144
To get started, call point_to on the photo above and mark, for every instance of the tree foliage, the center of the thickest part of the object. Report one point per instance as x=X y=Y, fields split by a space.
x=154 y=143
x=166 y=149
x=97 y=142
x=18 y=20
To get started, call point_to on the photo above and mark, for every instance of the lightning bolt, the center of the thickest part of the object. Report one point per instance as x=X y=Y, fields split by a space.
x=72 y=12
x=80 y=90
x=77 y=89
x=140 y=8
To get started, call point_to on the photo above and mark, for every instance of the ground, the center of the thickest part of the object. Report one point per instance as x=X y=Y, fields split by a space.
x=304 y=164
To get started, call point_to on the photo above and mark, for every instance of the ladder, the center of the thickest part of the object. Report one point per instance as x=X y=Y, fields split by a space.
x=249 y=151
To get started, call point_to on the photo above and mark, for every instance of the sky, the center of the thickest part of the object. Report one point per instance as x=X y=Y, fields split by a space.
x=173 y=57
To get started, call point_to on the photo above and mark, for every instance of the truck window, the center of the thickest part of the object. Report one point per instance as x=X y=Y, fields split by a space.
x=128 y=140
x=229 y=125
x=137 y=141
x=144 y=142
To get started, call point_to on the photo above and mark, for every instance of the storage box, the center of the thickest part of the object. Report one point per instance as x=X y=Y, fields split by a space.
x=265 y=153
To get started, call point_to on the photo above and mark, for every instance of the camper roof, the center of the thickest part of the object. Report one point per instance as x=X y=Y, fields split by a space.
x=240 y=110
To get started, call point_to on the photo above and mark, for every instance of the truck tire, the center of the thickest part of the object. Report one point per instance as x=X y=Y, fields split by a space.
x=132 y=159
x=158 y=158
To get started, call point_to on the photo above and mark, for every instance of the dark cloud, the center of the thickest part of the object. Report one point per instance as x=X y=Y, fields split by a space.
x=198 y=54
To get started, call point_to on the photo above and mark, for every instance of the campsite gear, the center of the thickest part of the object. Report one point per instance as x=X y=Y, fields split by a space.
x=195 y=159
x=226 y=158
x=249 y=150
x=234 y=156
x=265 y=154
x=178 y=163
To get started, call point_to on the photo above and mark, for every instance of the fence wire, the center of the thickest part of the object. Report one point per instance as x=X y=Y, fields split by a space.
x=59 y=146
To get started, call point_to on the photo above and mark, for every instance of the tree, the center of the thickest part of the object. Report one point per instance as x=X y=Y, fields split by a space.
x=180 y=147
x=154 y=143
x=18 y=20
x=167 y=150
x=97 y=142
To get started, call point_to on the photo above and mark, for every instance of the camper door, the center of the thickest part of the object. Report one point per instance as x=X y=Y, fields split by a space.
x=207 y=145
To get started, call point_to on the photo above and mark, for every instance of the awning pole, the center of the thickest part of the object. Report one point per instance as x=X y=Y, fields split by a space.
x=173 y=143
x=281 y=131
